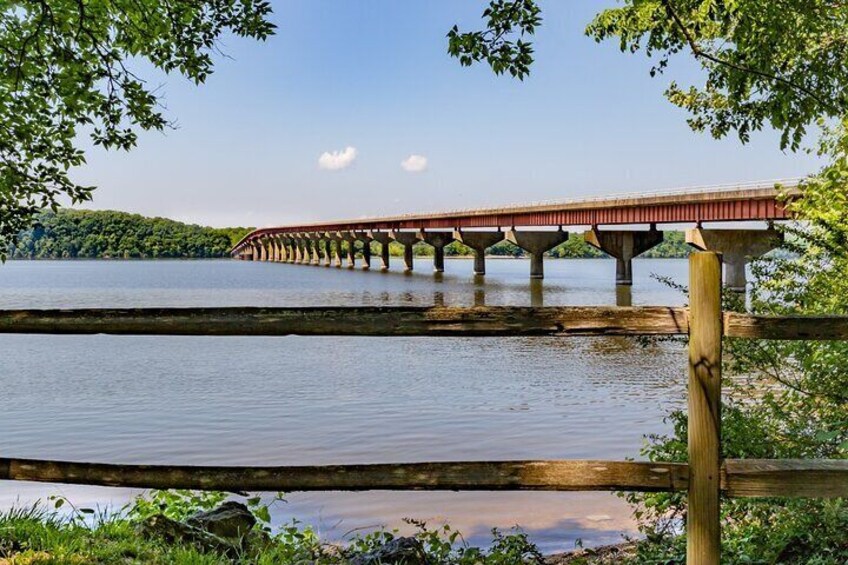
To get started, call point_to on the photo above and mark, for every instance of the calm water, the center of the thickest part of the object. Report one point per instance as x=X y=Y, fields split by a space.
x=296 y=400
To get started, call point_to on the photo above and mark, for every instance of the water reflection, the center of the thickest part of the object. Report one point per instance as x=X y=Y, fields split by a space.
x=537 y=293
x=623 y=295
x=272 y=401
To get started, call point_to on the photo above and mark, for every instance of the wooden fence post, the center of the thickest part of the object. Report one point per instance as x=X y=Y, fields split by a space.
x=705 y=331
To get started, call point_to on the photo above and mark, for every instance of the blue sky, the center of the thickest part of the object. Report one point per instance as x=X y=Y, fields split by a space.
x=374 y=75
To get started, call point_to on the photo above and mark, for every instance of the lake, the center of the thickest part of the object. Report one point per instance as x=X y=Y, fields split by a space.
x=320 y=400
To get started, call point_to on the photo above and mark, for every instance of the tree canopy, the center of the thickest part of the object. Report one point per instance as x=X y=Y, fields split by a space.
x=66 y=69
x=106 y=234
x=782 y=64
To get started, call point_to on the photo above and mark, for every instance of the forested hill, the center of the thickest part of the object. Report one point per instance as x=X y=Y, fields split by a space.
x=106 y=234
x=88 y=234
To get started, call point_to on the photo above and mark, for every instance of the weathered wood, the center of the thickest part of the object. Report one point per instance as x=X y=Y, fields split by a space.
x=703 y=529
x=411 y=321
x=786 y=327
x=569 y=475
x=361 y=321
x=816 y=478
x=739 y=477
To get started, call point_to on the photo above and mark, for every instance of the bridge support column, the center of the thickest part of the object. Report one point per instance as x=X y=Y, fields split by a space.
x=384 y=240
x=336 y=241
x=366 y=248
x=407 y=239
x=285 y=250
x=348 y=238
x=536 y=243
x=306 y=258
x=282 y=254
x=438 y=239
x=290 y=253
x=326 y=250
x=316 y=249
x=298 y=249
x=736 y=246
x=479 y=241
x=269 y=249
x=263 y=250
x=624 y=246
x=277 y=247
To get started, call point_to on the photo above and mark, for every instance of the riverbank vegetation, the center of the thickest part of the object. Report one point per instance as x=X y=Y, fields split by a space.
x=179 y=527
x=106 y=234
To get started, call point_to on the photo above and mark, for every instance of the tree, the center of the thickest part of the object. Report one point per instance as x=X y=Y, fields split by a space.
x=783 y=64
x=66 y=68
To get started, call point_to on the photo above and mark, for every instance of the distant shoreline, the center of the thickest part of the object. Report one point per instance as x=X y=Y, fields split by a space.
x=447 y=258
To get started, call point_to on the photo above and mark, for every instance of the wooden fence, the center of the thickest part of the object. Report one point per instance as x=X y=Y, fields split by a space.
x=705 y=476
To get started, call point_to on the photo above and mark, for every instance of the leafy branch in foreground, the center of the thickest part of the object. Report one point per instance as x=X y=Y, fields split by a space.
x=66 y=69
x=493 y=44
x=782 y=64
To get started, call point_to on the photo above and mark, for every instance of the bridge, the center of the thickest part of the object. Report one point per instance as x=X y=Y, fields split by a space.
x=622 y=227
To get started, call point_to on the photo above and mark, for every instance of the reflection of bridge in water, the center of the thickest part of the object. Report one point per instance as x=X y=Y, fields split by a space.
x=325 y=243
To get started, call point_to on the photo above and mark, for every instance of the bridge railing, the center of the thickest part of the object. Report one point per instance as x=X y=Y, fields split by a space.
x=704 y=477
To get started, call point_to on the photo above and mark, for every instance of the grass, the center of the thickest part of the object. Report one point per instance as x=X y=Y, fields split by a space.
x=40 y=535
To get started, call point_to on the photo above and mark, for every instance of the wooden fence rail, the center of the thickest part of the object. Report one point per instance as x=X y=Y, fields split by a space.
x=738 y=478
x=411 y=321
x=704 y=478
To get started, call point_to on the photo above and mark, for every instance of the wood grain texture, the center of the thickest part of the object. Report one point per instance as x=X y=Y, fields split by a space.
x=703 y=529
x=739 y=477
x=569 y=475
x=809 y=478
x=362 y=321
x=786 y=327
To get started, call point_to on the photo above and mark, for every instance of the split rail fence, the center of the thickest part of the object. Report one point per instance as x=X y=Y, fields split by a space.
x=705 y=477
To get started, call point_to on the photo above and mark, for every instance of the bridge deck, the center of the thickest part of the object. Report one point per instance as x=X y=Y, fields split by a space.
x=739 y=203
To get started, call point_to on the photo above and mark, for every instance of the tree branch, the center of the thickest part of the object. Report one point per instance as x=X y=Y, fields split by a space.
x=700 y=53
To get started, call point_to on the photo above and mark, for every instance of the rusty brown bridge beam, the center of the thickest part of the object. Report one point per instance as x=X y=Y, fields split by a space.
x=743 y=203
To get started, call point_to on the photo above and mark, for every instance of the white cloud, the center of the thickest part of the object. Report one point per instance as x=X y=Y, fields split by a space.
x=414 y=164
x=337 y=160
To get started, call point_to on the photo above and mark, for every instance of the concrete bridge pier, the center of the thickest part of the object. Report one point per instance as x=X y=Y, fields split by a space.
x=327 y=261
x=384 y=239
x=306 y=250
x=479 y=241
x=289 y=245
x=275 y=250
x=438 y=240
x=280 y=250
x=316 y=249
x=348 y=238
x=736 y=246
x=285 y=246
x=366 y=248
x=298 y=249
x=335 y=248
x=407 y=239
x=263 y=250
x=624 y=246
x=536 y=243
